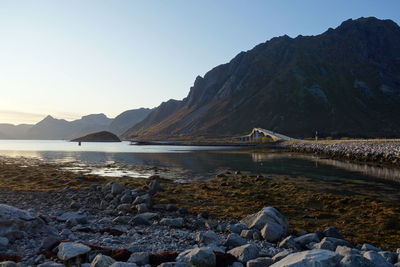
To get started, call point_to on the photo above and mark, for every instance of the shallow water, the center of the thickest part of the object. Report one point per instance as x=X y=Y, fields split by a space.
x=202 y=161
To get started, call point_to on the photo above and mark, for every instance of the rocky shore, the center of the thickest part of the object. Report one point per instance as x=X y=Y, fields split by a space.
x=113 y=225
x=385 y=152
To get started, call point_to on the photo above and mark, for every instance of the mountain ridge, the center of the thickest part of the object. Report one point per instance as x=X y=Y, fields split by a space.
x=344 y=81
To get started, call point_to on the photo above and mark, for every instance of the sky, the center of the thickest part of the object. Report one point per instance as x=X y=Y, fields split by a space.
x=69 y=58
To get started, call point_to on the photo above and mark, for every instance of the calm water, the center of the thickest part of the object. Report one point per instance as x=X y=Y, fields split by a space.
x=203 y=161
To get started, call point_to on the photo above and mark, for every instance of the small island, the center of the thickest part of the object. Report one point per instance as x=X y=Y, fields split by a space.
x=102 y=136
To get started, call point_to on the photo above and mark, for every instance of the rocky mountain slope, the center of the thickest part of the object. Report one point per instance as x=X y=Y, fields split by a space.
x=343 y=82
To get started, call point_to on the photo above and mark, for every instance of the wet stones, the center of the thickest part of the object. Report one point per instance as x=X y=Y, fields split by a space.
x=102 y=261
x=69 y=250
x=270 y=221
x=200 y=257
x=117 y=189
x=245 y=253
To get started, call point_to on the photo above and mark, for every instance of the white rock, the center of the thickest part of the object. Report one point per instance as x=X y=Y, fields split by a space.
x=367 y=247
x=68 y=250
x=260 y=262
x=245 y=253
x=102 y=261
x=8 y=264
x=266 y=215
x=207 y=238
x=200 y=257
x=272 y=232
x=317 y=257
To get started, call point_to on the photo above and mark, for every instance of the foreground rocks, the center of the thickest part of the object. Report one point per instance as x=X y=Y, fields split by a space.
x=115 y=226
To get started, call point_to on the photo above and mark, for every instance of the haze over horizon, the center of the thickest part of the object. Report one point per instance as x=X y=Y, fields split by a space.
x=70 y=58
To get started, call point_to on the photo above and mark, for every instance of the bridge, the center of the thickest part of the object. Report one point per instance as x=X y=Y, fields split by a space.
x=257 y=133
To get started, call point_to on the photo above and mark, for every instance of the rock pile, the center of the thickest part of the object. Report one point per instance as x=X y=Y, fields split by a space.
x=372 y=151
x=122 y=227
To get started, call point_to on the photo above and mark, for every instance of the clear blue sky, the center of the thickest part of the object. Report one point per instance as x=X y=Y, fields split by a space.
x=69 y=58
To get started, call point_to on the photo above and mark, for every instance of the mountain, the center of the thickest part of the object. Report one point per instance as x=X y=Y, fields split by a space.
x=10 y=131
x=127 y=119
x=59 y=129
x=343 y=82
x=51 y=128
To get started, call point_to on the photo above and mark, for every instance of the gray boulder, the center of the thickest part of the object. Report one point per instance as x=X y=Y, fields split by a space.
x=123 y=264
x=336 y=241
x=73 y=216
x=367 y=247
x=355 y=260
x=142 y=208
x=69 y=250
x=235 y=240
x=143 y=199
x=176 y=222
x=266 y=215
x=117 y=189
x=260 y=262
x=310 y=258
x=13 y=220
x=122 y=219
x=51 y=264
x=237 y=228
x=8 y=264
x=126 y=198
x=307 y=238
x=389 y=256
x=125 y=207
x=325 y=244
x=289 y=243
x=245 y=253
x=377 y=259
x=207 y=238
x=175 y=264
x=273 y=232
x=139 y=258
x=199 y=257
x=102 y=261
x=346 y=251
x=281 y=255
x=155 y=187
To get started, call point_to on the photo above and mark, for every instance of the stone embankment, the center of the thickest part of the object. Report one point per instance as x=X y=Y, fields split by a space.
x=115 y=226
x=387 y=152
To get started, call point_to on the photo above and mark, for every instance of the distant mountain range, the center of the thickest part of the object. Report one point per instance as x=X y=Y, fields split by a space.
x=343 y=82
x=59 y=129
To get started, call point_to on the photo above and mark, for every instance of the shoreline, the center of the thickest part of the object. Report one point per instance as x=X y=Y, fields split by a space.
x=376 y=152
x=156 y=215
